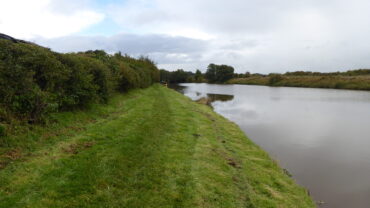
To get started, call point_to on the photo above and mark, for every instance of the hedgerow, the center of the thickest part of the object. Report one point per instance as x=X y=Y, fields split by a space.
x=35 y=81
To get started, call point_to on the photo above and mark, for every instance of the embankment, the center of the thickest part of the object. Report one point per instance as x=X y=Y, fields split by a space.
x=148 y=148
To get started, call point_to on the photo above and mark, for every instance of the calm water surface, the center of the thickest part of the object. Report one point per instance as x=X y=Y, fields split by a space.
x=322 y=136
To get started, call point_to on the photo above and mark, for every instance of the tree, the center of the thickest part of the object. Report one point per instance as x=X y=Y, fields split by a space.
x=219 y=73
x=180 y=76
x=198 y=76
x=165 y=75
x=211 y=73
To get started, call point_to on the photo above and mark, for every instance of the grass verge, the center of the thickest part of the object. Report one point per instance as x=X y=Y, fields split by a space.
x=148 y=148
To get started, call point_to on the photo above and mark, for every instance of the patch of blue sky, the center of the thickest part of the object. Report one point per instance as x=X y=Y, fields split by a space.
x=107 y=27
x=104 y=3
x=98 y=4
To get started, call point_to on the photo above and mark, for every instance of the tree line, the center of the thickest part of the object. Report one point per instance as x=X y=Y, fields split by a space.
x=223 y=73
x=214 y=74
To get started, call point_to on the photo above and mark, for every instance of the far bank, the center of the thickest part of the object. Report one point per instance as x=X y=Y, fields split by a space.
x=360 y=82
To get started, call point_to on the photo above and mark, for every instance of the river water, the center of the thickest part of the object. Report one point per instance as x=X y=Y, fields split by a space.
x=321 y=136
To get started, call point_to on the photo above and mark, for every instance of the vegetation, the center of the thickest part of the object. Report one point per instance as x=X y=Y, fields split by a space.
x=178 y=76
x=354 y=79
x=146 y=148
x=198 y=77
x=2 y=130
x=35 y=81
x=274 y=79
x=219 y=73
x=214 y=74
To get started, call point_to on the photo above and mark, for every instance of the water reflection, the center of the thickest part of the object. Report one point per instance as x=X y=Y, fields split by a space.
x=178 y=87
x=320 y=135
x=196 y=95
x=219 y=97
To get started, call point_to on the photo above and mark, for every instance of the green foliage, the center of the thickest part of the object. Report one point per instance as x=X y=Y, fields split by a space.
x=190 y=79
x=198 y=77
x=2 y=130
x=178 y=76
x=214 y=74
x=135 y=73
x=274 y=78
x=35 y=81
x=219 y=73
x=79 y=89
x=29 y=76
x=165 y=76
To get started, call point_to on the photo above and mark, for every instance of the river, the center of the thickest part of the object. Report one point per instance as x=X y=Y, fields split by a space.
x=321 y=136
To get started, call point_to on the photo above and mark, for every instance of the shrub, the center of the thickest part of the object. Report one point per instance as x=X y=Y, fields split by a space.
x=78 y=90
x=128 y=78
x=35 y=81
x=26 y=79
x=100 y=74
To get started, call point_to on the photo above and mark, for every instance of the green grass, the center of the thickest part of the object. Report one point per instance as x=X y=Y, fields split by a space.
x=148 y=148
x=361 y=82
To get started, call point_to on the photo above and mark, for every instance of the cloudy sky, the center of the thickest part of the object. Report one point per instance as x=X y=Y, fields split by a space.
x=252 y=35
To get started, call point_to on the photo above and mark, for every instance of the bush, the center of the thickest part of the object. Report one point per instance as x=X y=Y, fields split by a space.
x=35 y=81
x=28 y=76
x=101 y=78
x=78 y=90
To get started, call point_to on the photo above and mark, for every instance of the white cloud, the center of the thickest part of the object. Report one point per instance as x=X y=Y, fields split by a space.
x=28 y=19
x=255 y=35
x=261 y=35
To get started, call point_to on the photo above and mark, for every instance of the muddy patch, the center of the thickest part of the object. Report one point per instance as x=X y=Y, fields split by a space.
x=76 y=148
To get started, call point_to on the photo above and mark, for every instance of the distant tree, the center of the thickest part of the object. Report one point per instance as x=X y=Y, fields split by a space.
x=211 y=73
x=179 y=76
x=219 y=73
x=165 y=75
x=198 y=76
x=190 y=79
x=225 y=73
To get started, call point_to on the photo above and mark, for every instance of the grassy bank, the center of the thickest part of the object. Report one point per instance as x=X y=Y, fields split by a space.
x=361 y=82
x=148 y=148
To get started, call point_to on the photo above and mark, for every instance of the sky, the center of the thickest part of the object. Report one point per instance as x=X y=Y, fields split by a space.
x=259 y=36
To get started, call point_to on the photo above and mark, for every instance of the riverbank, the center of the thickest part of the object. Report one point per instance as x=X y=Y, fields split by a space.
x=148 y=148
x=361 y=82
